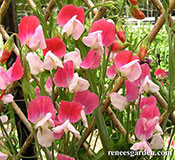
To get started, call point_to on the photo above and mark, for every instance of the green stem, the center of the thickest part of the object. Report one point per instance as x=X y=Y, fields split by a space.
x=8 y=139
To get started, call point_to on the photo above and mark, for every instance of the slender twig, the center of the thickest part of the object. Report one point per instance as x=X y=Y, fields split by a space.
x=49 y=9
x=25 y=145
x=100 y=13
x=32 y=4
x=90 y=4
x=22 y=116
x=4 y=7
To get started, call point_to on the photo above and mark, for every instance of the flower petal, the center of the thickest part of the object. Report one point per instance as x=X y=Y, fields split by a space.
x=39 y=107
x=88 y=99
x=35 y=64
x=118 y=101
x=67 y=12
x=45 y=138
x=56 y=46
x=8 y=98
x=69 y=111
x=92 y=60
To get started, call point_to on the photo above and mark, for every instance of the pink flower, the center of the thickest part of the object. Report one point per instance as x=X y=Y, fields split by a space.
x=132 y=92
x=145 y=72
x=56 y=46
x=94 y=40
x=48 y=85
x=89 y=101
x=145 y=128
x=31 y=33
x=63 y=76
x=64 y=157
x=150 y=112
x=69 y=112
x=108 y=31
x=42 y=112
x=78 y=84
x=111 y=72
x=128 y=65
x=160 y=73
x=147 y=85
x=14 y=73
x=75 y=57
x=147 y=101
x=71 y=18
x=92 y=60
x=8 y=98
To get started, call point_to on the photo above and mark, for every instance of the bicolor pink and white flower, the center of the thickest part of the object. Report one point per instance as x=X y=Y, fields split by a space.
x=71 y=18
x=63 y=76
x=75 y=57
x=42 y=112
x=14 y=73
x=128 y=65
x=31 y=33
x=69 y=112
x=78 y=84
x=89 y=101
x=56 y=46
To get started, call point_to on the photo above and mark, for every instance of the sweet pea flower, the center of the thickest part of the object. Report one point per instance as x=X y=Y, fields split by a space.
x=111 y=72
x=160 y=73
x=144 y=102
x=51 y=61
x=132 y=92
x=63 y=76
x=35 y=64
x=31 y=33
x=78 y=84
x=14 y=73
x=8 y=98
x=48 y=85
x=94 y=40
x=89 y=101
x=4 y=120
x=56 y=46
x=42 y=112
x=64 y=157
x=128 y=65
x=108 y=31
x=75 y=57
x=142 y=145
x=118 y=101
x=92 y=60
x=71 y=18
x=147 y=85
x=69 y=112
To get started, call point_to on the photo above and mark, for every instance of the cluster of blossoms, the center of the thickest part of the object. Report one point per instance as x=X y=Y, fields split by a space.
x=50 y=123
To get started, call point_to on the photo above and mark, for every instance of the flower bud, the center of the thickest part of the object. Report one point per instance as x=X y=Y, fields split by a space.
x=118 y=46
x=144 y=48
x=119 y=31
x=136 y=12
x=6 y=51
x=133 y=2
